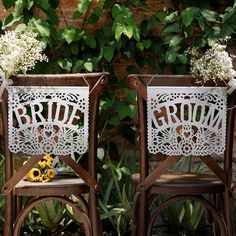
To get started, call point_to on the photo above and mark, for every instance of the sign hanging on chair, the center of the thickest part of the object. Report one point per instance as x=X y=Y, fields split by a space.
x=51 y=120
x=186 y=121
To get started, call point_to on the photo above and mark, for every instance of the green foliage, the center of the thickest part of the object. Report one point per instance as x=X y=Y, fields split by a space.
x=185 y=216
x=115 y=202
x=51 y=214
x=76 y=49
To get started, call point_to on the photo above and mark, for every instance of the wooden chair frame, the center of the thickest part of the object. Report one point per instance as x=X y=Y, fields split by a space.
x=147 y=188
x=14 y=213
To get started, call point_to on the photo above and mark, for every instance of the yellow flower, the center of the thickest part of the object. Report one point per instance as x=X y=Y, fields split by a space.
x=48 y=160
x=45 y=178
x=51 y=173
x=42 y=171
x=42 y=163
x=34 y=175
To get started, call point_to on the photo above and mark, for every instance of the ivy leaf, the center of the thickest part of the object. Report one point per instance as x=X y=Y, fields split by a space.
x=43 y=4
x=229 y=12
x=183 y=58
x=90 y=41
x=93 y=19
x=76 y=15
x=69 y=34
x=83 y=5
x=187 y=16
x=171 y=17
x=52 y=16
x=88 y=66
x=98 y=11
x=128 y=31
x=147 y=43
x=108 y=53
x=65 y=64
x=140 y=46
x=74 y=48
x=175 y=40
x=125 y=110
x=170 y=57
x=42 y=26
x=10 y=20
x=8 y=3
x=116 y=9
x=226 y=30
x=77 y=66
x=209 y=15
x=201 y=23
x=172 y=28
x=118 y=32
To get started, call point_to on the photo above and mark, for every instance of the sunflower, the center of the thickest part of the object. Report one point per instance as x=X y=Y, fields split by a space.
x=48 y=160
x=34 y=175
x=42 y=172
x=42 y=164
x=51 y=173
x=45 y=178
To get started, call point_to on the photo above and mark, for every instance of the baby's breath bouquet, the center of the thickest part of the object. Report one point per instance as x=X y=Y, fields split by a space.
x=20 y=50
x=215 y=64
x=43 y=171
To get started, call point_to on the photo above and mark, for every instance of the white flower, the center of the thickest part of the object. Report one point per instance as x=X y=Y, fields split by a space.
x=19 y=52
x=215 y=64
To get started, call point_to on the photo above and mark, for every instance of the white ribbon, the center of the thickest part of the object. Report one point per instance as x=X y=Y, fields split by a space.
x=5 y=83
x=232 y=86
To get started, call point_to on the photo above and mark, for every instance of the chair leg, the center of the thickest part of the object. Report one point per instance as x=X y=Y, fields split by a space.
x=216 y=200
x=143 y=214
x=135 y=212
x=94 y=214
x=8 y=224
x=229 y=207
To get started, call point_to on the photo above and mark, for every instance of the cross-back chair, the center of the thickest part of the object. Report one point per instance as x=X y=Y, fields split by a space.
x=56 y=115
x=179 y=118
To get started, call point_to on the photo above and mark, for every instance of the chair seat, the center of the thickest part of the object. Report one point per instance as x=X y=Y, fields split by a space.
x=57 y=186
x=189 y=183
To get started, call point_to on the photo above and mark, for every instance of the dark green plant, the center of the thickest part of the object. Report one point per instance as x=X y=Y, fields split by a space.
x=185 y=216
x=116 y=199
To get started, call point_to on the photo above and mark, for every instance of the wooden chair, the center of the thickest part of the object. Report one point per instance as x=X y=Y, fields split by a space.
x=53 y=114
x=179 y=118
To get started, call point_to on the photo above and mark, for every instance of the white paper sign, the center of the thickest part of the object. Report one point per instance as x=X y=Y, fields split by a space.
x=51 y=120
x=186 y=121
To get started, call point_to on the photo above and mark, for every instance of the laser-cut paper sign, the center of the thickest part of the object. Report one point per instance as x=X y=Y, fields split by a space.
x=51 y=120
x=186 y=121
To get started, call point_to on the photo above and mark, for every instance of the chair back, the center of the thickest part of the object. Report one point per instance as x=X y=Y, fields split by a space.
x=179 y=117
x=52 y=114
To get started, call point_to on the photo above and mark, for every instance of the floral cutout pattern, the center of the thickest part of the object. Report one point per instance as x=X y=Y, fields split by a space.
x=51 y=120
x=188 y=121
